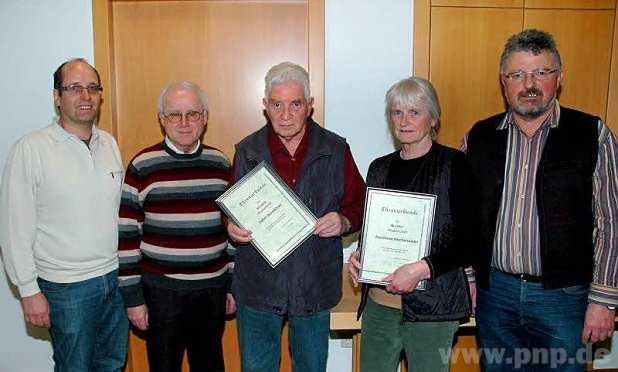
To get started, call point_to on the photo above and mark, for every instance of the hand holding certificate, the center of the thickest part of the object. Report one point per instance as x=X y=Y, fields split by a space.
x=397 y=230
x=262 y=203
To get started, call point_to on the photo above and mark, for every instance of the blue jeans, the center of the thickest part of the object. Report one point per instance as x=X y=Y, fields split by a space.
x=259 y=336
x=89 y=326
x=524 y=327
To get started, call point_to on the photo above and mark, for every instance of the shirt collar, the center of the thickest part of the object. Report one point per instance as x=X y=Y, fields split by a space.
x=276 y=144
x=60 y=134
x=169 y=144
x=552 y=120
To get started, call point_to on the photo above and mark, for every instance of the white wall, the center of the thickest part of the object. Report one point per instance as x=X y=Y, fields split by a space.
x=368 y=48
x=35 y=37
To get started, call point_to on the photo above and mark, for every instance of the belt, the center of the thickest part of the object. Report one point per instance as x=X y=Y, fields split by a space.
x=523 y=277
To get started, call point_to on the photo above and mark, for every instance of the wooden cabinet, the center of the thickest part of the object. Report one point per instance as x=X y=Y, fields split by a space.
x=584 y=40
x=465 y=47
x=457 y=45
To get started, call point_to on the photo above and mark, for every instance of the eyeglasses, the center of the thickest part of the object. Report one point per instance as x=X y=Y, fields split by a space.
x=190 y=116
x=79 y=89
x=540 y=74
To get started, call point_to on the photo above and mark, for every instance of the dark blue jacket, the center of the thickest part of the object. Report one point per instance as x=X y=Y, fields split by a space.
x=309 y=280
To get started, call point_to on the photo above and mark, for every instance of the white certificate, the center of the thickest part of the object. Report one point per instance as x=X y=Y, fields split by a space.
x=397 y=229
x=262 y=203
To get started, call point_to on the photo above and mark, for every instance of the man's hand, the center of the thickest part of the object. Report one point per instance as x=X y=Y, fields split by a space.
x=138 y=316
x=230 y=304
x=354 y=267
x=598 y=324
x=472 y=286
x=331 y=224
x=238 y=234
x=36 y=310
x=406 y=277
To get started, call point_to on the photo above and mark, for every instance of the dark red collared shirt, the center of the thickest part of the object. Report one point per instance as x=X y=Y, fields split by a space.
x=288 y=166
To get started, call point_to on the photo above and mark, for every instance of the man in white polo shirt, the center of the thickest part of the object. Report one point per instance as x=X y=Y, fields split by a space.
x=58 y=227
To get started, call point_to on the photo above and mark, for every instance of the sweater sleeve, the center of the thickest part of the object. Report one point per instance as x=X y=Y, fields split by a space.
x=231 y=248
x=130 y=237
x=18 y=217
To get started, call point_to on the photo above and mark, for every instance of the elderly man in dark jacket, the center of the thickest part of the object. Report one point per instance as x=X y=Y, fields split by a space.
x=318 y=165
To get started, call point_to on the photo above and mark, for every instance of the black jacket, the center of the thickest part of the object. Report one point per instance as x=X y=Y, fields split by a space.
x=446 y=296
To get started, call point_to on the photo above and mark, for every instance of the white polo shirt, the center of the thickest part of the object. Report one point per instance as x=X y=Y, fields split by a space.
x=59 y=208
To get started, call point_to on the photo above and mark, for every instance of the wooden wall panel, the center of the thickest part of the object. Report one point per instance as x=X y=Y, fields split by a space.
x=102 y=33
x=612 y=97
x=226 y=47
x=571 y=4
x=465 y=51
x=585 y=45
x=464 y=357
x=480 y=3
x=317 y=32
x=422 y=22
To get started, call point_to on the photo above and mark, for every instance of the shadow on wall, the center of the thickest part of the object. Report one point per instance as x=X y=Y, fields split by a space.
x=32 y=331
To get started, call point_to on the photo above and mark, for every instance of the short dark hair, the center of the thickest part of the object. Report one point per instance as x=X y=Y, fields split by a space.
x=58 y=74
x=531 y=40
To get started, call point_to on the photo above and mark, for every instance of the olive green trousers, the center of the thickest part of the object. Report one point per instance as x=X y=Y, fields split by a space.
x=384 y=336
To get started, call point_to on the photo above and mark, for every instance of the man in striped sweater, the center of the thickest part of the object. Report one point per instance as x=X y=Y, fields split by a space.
x=175 y=264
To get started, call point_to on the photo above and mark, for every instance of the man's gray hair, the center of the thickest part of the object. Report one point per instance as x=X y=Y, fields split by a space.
x=533 y=41
x=286 y=72
x=182 y=85
x=414 y=92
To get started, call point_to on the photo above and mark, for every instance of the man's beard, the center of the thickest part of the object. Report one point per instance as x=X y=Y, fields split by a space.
x=532 y=112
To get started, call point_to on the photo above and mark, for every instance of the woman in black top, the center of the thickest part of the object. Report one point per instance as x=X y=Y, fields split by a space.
x=397 y=318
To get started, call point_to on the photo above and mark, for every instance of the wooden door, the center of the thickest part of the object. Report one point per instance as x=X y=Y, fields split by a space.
x=225 y=46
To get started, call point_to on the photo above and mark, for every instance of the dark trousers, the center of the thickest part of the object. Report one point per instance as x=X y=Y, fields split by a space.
x=187 y=319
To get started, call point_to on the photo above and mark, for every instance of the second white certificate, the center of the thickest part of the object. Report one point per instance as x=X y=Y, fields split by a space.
x=262 y=203
x=397 y=230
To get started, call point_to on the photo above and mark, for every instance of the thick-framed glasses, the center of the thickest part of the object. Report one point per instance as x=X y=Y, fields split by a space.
x=540 y=74
x=79 y=89
x=190 y=116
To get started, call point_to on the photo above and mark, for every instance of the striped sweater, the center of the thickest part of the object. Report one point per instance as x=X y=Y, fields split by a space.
x=170 y=226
